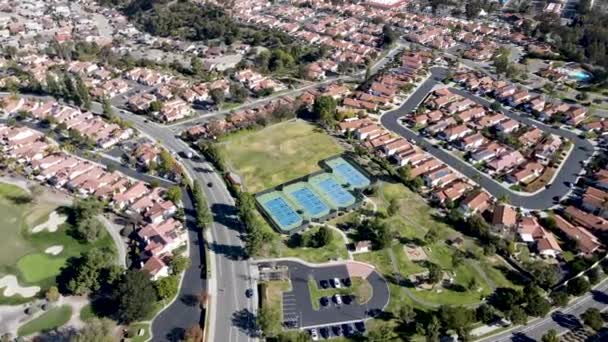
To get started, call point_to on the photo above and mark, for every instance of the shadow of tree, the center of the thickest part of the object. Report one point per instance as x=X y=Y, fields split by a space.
x=245 y=320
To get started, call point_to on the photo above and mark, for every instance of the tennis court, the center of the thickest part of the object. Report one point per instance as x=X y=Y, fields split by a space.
x=348 y=173
x=281 y=212
x=328 y=186
x=302 y=195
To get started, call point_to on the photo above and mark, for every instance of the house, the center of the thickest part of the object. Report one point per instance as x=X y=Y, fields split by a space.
x=594 y=200
x=506 y=161
x=454 y=132
x=507 y=126
x=451 y=192
x=575 y=115
x=439 y=177
x=586 y=243
x=471 y=142
x=601 y=179
x=121 y=200
x=363 y=246
x=163 y=237
x=504 y=217
x=526 y=173
x=487 y=151
x=475 y=203
x=589 y=221
x=425 y=166
x=545 y=150
x=531 y=137
x=156 y=267
x=534 y=234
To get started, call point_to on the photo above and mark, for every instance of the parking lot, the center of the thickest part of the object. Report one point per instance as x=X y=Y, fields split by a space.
x=337 y=314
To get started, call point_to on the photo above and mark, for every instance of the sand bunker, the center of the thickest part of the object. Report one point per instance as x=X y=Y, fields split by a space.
x=55 y=220
x=11 y=287
x=54 y=250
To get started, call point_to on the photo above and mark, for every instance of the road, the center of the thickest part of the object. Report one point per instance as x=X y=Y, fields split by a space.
x=568 y=174
x=232 y=313
x=561 y=321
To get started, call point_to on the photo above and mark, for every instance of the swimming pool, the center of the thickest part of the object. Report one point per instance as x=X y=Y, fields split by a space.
x=308 y=200
x=580 y=75
x=345 y=171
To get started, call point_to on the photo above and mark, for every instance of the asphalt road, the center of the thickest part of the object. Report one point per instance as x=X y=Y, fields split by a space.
x=560 y=320
x=297 y=303
x=185 y=312
x=568 y=174
x=232 y=314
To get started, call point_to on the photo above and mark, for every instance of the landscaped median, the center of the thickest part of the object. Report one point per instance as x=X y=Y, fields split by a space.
x=360 y=288
x=54 y=318
x=271 y=298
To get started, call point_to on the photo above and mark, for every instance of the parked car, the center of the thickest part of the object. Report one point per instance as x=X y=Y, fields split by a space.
x=324 y=301
x=338 y=299
x=324 y=283
x=337 y=330
x=314 y=335
x=249 y=293
x=336 y=283
x=360 y=326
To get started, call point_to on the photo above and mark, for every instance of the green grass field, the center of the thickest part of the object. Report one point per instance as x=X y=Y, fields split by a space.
x=22 y=252
x=412 y=221
x=276 y=154
x=50 y=320
x=336 y=249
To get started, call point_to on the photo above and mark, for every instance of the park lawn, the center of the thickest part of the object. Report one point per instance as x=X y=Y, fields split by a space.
x=335 y=250
x=272 y=294
x=362 y=289
x=54 y=318
x=276 y=154
x=134 y=328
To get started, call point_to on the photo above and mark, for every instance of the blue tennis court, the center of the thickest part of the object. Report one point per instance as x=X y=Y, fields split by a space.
x=336 y=194
x=348 y=173
x=311 y=202
x=284 y=215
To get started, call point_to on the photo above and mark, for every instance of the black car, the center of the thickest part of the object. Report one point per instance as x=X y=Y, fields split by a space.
x=348 y=329
x=360 y=326
x=249 y=293
x=347 y=299
x=324 y=301
x=337 y=330
x=347 y=282
x=324 y=332
x=324 y=284
x=209 y=184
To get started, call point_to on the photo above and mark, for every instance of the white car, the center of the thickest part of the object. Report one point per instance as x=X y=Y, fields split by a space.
x=337 y=283
x=314 y=334
x=338 y=299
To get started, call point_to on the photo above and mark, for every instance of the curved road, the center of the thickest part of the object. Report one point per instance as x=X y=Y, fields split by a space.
x=568 y=174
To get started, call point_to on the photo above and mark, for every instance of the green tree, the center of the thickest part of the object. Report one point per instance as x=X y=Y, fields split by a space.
x=155 y=106
x=86 y=208
x=381 y=333
x=485 y=313
x=52 y=294
x=108 y=111
x=435 y=273
x=389 y=36
x=96 y=330
x=217 y=95
x=406 y=314
x=238 y=93
x=517 y=315
x=455 y=317
x=82 y=275
x=268 y=320
x=134 y=296
x=324 y=109
x=82 y=92
x=166 y=164
x=179 y=264
x=578 y=286
x=559 y=298
x=174 y=194
x=593 y=318
x=432 y=329
x=89 y=229
x=196 y=65
x=166 y=287
x=323 y=237
x=550 y=336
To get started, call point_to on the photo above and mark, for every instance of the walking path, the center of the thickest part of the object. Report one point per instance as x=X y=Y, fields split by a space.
x=114 y=231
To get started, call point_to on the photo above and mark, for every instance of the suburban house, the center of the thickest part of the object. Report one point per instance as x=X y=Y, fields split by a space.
x=475 y=203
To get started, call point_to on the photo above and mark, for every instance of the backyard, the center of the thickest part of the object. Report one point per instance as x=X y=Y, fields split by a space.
x=276 y=154
x=35 y=258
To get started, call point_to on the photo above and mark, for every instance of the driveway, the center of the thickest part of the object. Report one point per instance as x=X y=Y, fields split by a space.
x=297 y=302
x=568 y=174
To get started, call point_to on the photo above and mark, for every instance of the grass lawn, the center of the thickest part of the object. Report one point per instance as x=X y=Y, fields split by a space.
x=50 y=320
x=414 y=218
x=360 y=287
x=271 y=296
x=22 y=252
x=541 y=181
x=276 y=154
x=134 y=329
x=335 y=250
x=86 y=313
